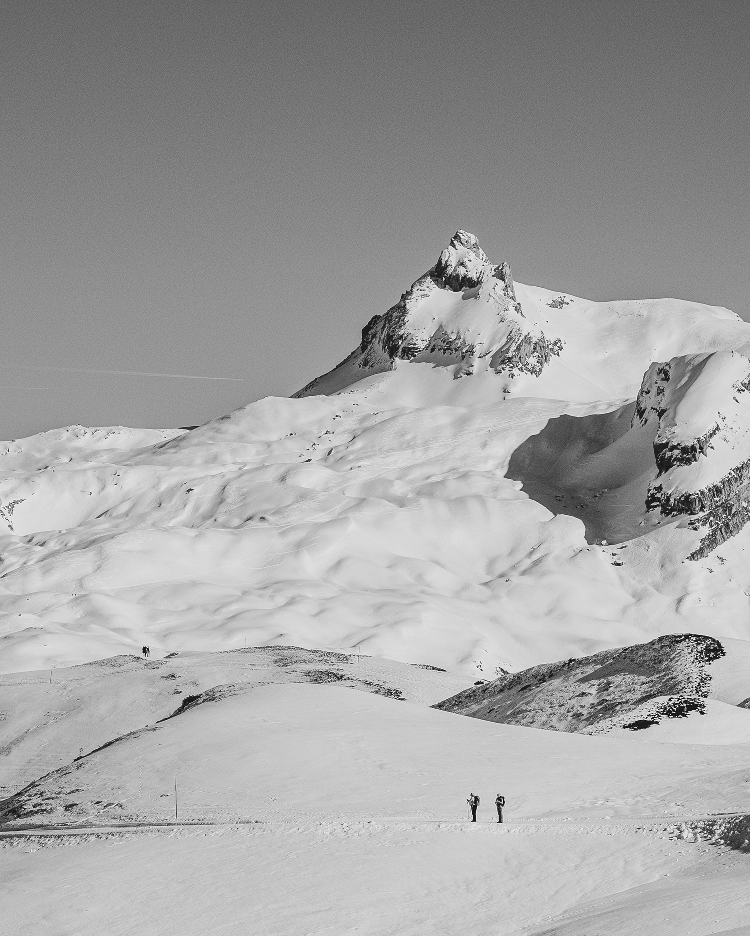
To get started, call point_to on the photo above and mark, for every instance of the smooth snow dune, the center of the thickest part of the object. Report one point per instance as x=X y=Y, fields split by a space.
x=395 y=881
x=393 y=531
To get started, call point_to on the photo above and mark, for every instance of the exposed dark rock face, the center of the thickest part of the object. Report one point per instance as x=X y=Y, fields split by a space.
x=713 y=497
x=650 y=402
x=668 y=454
x=589 y=692
x=720 y=506
x=726 y=519
x=673 y=707
x=459 y=272
x=524 y=354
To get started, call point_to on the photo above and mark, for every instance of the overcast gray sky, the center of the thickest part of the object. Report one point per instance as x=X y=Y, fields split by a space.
x=230 y=189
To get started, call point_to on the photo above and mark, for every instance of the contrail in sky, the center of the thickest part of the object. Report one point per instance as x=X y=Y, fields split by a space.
x=127 y=373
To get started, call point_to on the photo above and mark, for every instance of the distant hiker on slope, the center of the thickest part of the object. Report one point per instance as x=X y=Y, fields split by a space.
x=499 y=802
x=473 y=802
x=146 y=652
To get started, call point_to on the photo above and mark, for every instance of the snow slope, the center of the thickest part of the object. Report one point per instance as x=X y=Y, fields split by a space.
x=442 y=496
x=355 y=807
x=48 y=718
x=296 y=752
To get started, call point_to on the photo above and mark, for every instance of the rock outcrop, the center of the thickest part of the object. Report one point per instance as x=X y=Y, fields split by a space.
x=425 y=328
x=595 y=693
x=701 y=443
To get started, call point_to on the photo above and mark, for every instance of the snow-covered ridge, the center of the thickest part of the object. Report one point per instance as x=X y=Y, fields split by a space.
x=596 y=693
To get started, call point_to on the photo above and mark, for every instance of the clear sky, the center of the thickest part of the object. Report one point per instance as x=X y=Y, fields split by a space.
x=232 y=189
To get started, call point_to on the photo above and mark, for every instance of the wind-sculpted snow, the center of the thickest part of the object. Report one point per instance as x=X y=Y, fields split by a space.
x=484 y=483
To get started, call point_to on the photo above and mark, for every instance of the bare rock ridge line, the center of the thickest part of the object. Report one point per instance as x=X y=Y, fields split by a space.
x=591 y=695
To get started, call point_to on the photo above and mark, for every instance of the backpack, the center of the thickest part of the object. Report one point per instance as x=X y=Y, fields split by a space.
x=500 y=801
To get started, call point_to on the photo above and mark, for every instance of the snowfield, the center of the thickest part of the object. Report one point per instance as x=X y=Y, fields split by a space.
x=329 y=810
x=498 y=476
x=444 y=495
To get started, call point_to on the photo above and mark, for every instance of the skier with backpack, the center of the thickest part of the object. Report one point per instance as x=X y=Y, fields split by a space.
x=473 y=802
x=500 y=803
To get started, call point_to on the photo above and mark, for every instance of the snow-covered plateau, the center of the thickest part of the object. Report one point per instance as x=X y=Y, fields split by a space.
x=508 y=503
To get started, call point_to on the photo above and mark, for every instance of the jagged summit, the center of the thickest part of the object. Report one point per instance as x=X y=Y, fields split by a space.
x=462 y=264
x=432 y=323
x=685 y=454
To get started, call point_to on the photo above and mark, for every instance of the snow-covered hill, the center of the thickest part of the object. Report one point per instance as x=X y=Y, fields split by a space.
x=319 y=808
x=660 y=691
x=49 y=719
x=499 y=475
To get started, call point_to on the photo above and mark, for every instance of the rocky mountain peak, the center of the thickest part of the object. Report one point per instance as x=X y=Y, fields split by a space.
x=463 y=310
x=463 y=263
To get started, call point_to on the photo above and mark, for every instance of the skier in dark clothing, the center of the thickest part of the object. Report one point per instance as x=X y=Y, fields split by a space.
x=500 y=803
x=473 y=802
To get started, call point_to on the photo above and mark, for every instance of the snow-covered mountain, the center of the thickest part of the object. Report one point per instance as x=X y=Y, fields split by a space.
x=499 y=475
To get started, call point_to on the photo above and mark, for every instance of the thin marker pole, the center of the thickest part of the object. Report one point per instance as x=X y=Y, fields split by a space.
x=175 y=799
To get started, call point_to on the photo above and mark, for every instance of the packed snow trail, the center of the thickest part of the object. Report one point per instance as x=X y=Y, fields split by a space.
x=394 y=881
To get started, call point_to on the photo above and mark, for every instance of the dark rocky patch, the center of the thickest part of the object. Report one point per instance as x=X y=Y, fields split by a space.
x=324 y=676
x=580 y=693
x=668 y=454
